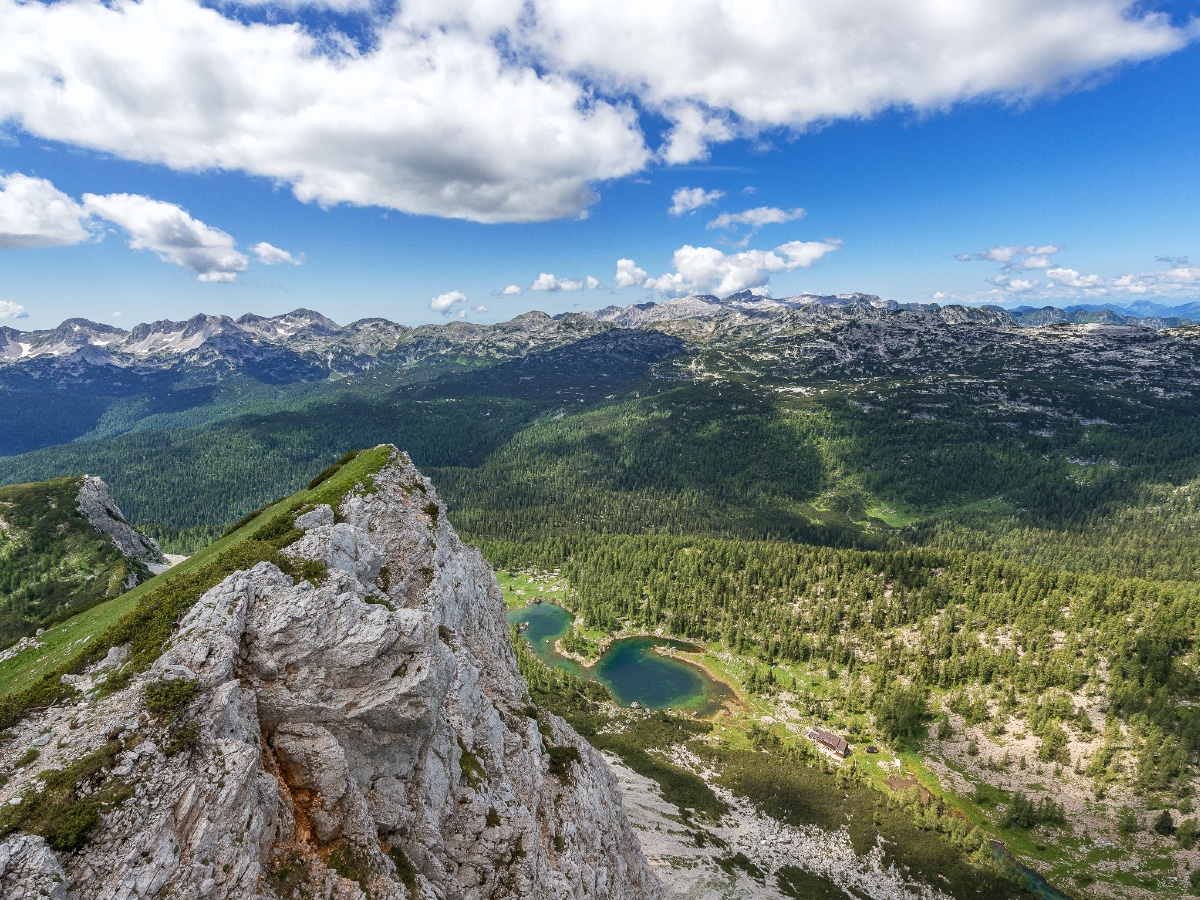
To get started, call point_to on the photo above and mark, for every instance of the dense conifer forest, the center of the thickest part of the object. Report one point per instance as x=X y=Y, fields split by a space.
x=53 y=563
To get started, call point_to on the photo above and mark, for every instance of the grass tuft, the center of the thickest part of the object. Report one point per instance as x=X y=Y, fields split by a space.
x=60 y=812
x=406 y=872
x=168 y=700
x=471 y=767
x=561 y=759
x=332 y=470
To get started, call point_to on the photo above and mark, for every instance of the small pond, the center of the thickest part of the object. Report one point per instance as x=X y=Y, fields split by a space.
x=633 y=669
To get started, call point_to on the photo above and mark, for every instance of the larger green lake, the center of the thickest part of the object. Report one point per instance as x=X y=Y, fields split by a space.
x=633 y=669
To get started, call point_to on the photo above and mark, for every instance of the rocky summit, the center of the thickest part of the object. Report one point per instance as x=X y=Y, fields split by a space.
x=359 y=732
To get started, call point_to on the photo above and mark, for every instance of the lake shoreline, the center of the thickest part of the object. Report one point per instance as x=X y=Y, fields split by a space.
x=713 y=694
x=718 y=678
x=607 y=642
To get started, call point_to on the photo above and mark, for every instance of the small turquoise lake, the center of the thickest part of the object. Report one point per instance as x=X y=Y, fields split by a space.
x=632 y=668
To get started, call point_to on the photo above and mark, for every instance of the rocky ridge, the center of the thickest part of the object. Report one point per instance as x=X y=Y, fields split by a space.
x=742 y=305
x=362 y=732
x=96 y=504
x=64 y=547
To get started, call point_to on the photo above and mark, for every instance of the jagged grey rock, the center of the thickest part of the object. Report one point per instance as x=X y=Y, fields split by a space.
x=98 y=507
x=374 y=720
x=115 y=658
x=322 y=515
x=29 y=869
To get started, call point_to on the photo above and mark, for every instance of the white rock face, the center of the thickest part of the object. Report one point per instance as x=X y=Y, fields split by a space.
x=29 y=869
x=375 y=719
x=97 y=505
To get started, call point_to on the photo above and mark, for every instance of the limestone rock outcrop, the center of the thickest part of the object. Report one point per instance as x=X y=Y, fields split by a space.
x=368 y=735
x=96 y=503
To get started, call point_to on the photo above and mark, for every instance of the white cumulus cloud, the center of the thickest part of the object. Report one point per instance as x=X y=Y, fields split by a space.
x=1071 y=278
x=341 y=6
x=629 y=274
x=709 y=270
x=430 y=119
x=170 y=233
x=510 y=110
x=1015 y=259
x=34 y=213
x=688 y=199
x=443 y=303
x=270 y=255
x=1016 y=285
x=754 y=219
x=547 y=282
x=693 y=130
x=1179 y=278
x=741 y=68
x=10 y=310
x=591 y=283
x=512 y=290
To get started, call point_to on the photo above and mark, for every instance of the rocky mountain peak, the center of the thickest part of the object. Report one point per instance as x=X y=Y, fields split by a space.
x=361 y=732
x=284 y=326
x=83 y=329
x=746 y=296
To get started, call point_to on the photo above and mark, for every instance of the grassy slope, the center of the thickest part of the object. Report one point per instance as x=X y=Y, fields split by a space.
x=52 y=561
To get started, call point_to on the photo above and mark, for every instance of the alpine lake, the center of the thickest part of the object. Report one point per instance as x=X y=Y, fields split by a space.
x=636 y=670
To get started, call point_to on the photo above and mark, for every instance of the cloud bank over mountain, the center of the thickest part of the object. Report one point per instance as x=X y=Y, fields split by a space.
x=1045 y=278
x=705 y=270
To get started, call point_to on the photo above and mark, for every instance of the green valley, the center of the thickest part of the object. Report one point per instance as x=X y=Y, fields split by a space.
x=969 y=546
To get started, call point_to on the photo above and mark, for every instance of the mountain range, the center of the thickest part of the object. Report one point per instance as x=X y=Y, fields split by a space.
x=84 y=379
x=304 y=345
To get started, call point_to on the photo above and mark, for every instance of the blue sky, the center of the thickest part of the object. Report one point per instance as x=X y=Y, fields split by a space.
x=1056 y=150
